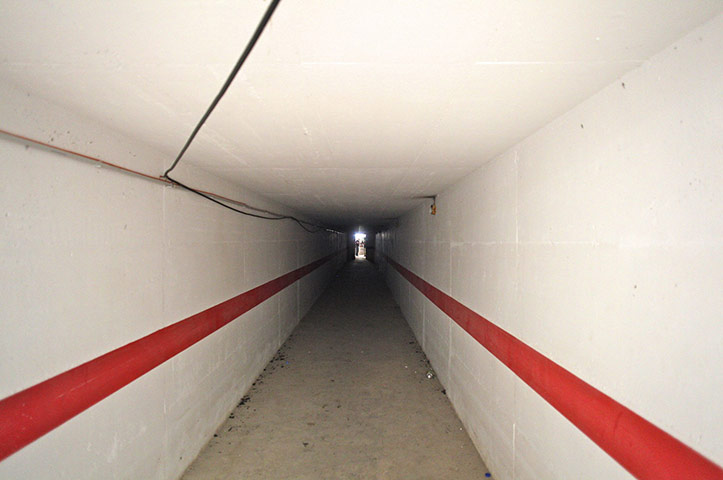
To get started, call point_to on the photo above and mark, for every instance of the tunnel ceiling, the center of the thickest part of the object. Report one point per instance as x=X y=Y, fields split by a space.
x=346 y=110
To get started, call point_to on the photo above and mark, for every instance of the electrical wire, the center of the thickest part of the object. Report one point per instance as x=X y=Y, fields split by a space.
x=82 y=155
x=214 y=197
x=249 y=46
x=232 y=75
x=280 y=217
x=167 y=179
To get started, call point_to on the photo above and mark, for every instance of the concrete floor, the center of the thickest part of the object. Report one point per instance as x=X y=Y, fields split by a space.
x=346 y=397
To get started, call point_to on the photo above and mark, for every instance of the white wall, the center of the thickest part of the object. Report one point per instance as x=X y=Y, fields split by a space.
x=91 y=259
x=597 y=241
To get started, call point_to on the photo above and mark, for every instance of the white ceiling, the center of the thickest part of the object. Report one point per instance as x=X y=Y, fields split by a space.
x=346 y=109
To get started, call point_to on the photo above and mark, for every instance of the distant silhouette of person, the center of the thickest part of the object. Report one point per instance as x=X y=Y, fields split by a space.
x=356 y=250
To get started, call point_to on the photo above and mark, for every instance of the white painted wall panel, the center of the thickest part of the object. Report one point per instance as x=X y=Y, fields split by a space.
x=54 y=233
x=92 y=259
x=437 y=340
x=597 y=242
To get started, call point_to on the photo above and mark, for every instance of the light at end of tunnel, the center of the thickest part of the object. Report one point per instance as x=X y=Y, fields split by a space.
x=360 y=236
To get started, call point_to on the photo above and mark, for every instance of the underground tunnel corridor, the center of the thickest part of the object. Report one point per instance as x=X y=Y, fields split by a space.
x=182 y=185
x=347 y=396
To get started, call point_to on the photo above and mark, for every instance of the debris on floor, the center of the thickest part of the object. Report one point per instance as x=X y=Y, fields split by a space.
x=344 y=399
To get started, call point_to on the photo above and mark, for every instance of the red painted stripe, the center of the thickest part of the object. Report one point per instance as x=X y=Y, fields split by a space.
x=643 y=449
x=31 y=413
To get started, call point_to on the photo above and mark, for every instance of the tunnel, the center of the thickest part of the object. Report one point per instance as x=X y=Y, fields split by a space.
x=263 y=239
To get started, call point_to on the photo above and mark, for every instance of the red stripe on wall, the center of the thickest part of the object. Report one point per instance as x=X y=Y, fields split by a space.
x=643 y=449
x=31 y=413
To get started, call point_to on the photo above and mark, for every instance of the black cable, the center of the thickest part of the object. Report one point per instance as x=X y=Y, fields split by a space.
x=229 y=80
x=232 y=75
x=280 y=217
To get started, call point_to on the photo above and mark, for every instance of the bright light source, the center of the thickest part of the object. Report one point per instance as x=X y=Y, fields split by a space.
x=360 y=236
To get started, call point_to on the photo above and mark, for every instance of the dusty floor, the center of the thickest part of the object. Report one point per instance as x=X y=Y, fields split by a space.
x=346 y=397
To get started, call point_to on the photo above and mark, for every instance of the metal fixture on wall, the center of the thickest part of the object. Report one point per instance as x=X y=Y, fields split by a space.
x=433 y=206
